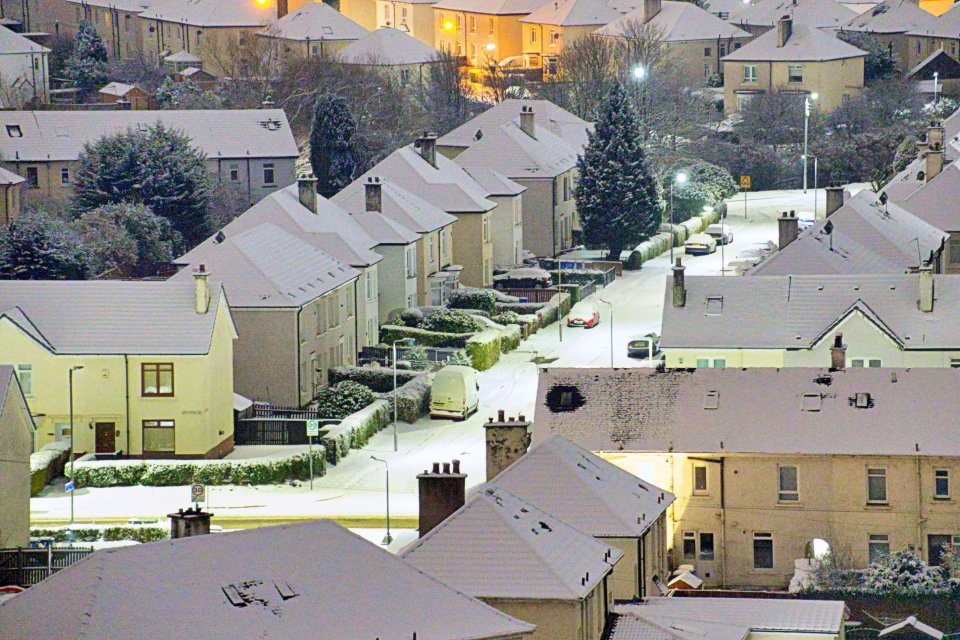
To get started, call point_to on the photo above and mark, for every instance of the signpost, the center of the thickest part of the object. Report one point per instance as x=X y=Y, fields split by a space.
x=313 y=430
x=68 y=487
x=744 y=186
x=198 y=493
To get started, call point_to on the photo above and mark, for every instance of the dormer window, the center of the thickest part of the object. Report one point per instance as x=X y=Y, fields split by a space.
x=14 y=131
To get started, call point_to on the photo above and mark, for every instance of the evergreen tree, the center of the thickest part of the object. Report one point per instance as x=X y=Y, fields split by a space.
x=158 y=168
x=37 y=246
x=617 y=195
x=87 y=66
x=333 y=155
x=130 y=237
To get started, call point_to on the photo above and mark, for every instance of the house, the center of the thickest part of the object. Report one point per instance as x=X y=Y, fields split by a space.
x=523 y=561
x=890 y=22
x=248 y=584
x=315 y=29
x=181 y=60
x=115 y=92
x=795 y=59
x=762 y=16
x=591 y=495
x=865 y=236
x=938 y=73
x=116 y=22
x=506 y=223
x=10 y=185
x=434 y=278
x=151 y=360
x=719 y=618
x=392 y=51
x=485 y=32
x=941 y=33
x=251 y=148
x=852 y=459
x=903 y=320
x=413 y=17
x=24 y=70
x=693 y=37
x=418 y=168
x=16 y=442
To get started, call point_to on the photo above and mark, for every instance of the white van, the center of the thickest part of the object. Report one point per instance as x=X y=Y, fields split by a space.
x=455 y=392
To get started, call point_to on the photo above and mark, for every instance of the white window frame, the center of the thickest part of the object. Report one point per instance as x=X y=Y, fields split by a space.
x=941 y=474
x=866 y=363
x=791 y=69
x=877 y=540
x=788 y=495
x=750 y=74
x=706 y=480
x=25 y=378
x=764 y=536
x=878 y=472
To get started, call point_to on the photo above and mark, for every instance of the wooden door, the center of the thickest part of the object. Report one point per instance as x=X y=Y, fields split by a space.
x=106 y=437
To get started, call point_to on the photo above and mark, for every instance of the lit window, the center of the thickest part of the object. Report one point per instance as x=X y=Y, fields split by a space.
x=878 y=547
x=789 y=486
x=941 y=480
x=762 y=551
x=157 y=379
x=877 y=485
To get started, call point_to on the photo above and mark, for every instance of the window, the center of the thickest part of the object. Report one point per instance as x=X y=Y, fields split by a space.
x=877 y=485
x=873 y=363
x=788 y=486
x=706 y=52
x=533 y=35
x=723 y=50
x=126 y=23
x=941 y=483
x=64 y=175
x=737 y=45
x=386 y=14
x=269 y=176
x=715 y=363
x=937 y=544
x=33 y=178
x=459 y=22
x=234 y=172
x=794 y=73
x=159 y=437
x=25 y=377
x=430 y=247
x=706 y=69
x=699 y=479
x=955 y=363
x=156 y=379
x=473 y=52
x=333 y=310
x=443 y=243
x=878 y=546
x=473 y=25
x=750 y=73
x=486 y=229
x=368 y=285
x=410 y=262
x=490 y=30
x=554 y=37
x=321 y=315
x=689 y=545
x=405 y=75
x=954 y=249
x=566 y=188
x=14 y=131
x=706 y=546
x=811 y=402
x=762 y=551
x=351 y=301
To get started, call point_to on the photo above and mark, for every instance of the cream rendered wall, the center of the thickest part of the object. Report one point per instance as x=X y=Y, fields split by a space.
x=285 y=48
x=363 y=12
x=472 y=250
x=322 y=347
x=367 y=303
x=120 y=30
x=548 y=219
x=265 y=355
x=216 y=46
x=16 y=445
x=736 y=358
x=691 y=56
x=919 y=47
x=624 y=580
x=394 y=286
x=559 y=619
x=415 y=18
x=507 y=230
x=832 y=80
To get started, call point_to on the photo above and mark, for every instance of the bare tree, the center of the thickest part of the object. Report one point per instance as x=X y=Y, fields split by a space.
x=446 y=94
x=588 y=67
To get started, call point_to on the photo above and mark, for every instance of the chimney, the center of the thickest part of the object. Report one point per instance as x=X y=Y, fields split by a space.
x=784 y=30
x=838 y=354
x=834 y=199
x=201 y=282
x=789 y=227
x=933 y=161
x=373 y=194
x=267 y=103
x=307 y=191
x=528 y=121
x=192 y=522
x=926 y=289
x=650 y=9
x=283 y=8
x=441 y=493
x=427 y=144
x=679 y=289
x=935 y=135
x=507 y=442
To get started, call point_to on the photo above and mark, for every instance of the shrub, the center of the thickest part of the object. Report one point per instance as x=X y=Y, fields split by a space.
x=484 y=349
x=522 y=308
x=469 y=298
x=95 y=534
x=506 y=317
x=451 y=321
x=578 y=276
x=377 y=379
x=413 y=398
x=460 y=357
x=510 y=338
x=905 y=572
x=389 y=333
x=47 y=464
x=411 y=317
x=355 y=430
x=342 y=399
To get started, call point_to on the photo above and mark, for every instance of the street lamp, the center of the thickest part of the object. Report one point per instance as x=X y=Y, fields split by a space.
x=405 y=342
x=72 y=454
x=806 y=129
x=936 y=78
x=609 y=304
x=387 y=539
x=814 y=182
x=639 y=72
x=679 y=179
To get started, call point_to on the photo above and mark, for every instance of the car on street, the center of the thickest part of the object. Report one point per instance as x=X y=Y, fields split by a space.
x=700 y=244
x=722 y=233
x=643 y=346
x=583 y=314
x=524 y=278
x=805 y=220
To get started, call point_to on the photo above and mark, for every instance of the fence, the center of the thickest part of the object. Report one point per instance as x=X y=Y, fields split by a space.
x=532 y=295
x=27 y=567
x=384 y=355
x=276 y=425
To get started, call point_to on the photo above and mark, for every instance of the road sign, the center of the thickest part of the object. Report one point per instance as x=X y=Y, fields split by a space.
x=744 y=182
x=198 y=493
x=313 y=427
x=68 y=487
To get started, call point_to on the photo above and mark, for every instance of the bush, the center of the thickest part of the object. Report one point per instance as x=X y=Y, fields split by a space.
x=578 y=276
x=411 y=317
x=108 y=534
x=413 y=398
x=506 y=317
x=342 y=399
x=460 y=357
x=451 y=321
x=377 y=379
x=389 y=333
x=469 y=298
x=47 y=464
x=522 y=308
x=355 y=430
x=484 y=349
x=510 y=338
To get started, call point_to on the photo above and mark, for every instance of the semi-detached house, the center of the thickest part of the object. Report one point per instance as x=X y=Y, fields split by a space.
x=17 y=433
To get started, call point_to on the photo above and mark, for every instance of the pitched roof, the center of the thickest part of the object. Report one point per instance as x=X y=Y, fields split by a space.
x=213 y=13
x=110 y=316
x=9 y=177
x=677 y=22
x=133 y=6
x=10 y=387
x=822 y=14
x=183 y=56
x=315 y=21
x=12 y=42
x=935 y=201
x=383 y=229
x=939 y=62
x=249 y=584
x=806 y=44
x=492 y=7
x=494 y=182
x=398 y=204
x=946 y=25
x=891 y=16
x=226 y=133
x=866 y=238
x=559 y=121
x=583 y=490
x=580 y=13
x=498 y=546
x=117 y=89
x=511 y=152
x=911 y=624
x=387 y=47
x=804 y=411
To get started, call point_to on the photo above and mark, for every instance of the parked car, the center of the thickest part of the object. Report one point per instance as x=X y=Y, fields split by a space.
x=524 y=278
x=644 y=346
x=805 y=220
x=722 y=233
x=583 y=314
x=700 y=244
x=455 y=392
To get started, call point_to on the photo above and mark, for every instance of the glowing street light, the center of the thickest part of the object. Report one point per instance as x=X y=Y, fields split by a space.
x=639 y=72
x=491 y=47
x=448 y=26
x=679 y=179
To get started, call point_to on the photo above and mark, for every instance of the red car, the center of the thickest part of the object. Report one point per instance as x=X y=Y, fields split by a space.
x=583 y=315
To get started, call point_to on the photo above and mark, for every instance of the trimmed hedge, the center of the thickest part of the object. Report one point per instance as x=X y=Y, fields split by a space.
x=392 y=332
x=451 y=321
x=578 y=276
x=470 y=298
x=510 y=337
x=47 y=464
x=378 y=379
x=484 y=349
x=506 y=317
x=342 y=399
x=522 y=308
x=413 y=398
x=355 y=430
x=107 y=534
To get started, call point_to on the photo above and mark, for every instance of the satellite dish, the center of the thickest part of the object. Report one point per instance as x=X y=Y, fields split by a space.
x=217 y=239
x=828 y=228
x=883 y=197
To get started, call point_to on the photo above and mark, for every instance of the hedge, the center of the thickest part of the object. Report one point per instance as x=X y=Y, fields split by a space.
x=470 y=298
x=355 y=430
x=379 y=379
x=391 y=332
x=522 y=308
x=342 y=399
x=660 y=243
x=413 y=398
x=484 y=349
x=510 y=337
x=47 y=464
x=451 y=321
x=578 y=276
x=107 y=534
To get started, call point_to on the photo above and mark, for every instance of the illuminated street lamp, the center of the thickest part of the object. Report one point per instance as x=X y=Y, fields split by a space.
x=639 y=72
x=679 y=179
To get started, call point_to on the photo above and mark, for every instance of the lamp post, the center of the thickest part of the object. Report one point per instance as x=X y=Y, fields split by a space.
x=72 y=454
x=805 y=157
x=806 y=131
x=406 y=342
x=609 y=304
x=936 y=78
x=387 y=539
x=680 y=179
x=639 y=72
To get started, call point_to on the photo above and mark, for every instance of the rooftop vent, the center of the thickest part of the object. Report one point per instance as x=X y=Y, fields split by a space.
x=811 y=402
x=714 y=306
x=712 y=401
x=862 y=400
x=271 y=124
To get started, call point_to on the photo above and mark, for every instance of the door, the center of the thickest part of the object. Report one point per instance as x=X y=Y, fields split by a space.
x=106 y=437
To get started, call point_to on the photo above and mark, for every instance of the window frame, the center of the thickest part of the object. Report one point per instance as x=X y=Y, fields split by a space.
x=689 y=537
x=706 y=480
x=157 y=423
x=763 y=537
x=878 y=472
x=877 y=540
x=750 y=78
x=158 y=369
x=25 y=372
x=713 y=546
x=791 y=70
x=938 y=475
x=784 y=495
x=271 y=168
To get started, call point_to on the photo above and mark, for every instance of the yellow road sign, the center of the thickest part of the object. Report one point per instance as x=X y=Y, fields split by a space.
x=744 y=182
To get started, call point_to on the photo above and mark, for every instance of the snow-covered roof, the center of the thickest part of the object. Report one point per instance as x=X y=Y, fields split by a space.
x=44 y=136
x=398 y=204
x=498 y=546
x=213 y=13
x=677 y=22
x=387 y=47
x=130 y=6
x=584 y=490
x=580 y=13
x=805 y=44
x=517 y=155
x=491 y=7
x=909 y=624
x=315 y=21
x=494 y=182
x=935 y=201
x=119 y=89
x=891 y=16
x=572 y=129
x=12 y=42
x=946 y=25
x=9 y=177
x=183 y=56
x=822 y=14
x=384 y=230
x=295 y=581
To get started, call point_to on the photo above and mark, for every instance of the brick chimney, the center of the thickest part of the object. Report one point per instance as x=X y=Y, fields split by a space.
x=201 y=285
x=373 y=195
x=528 y=121
x=933 y=161
x=427 y=144
x=507 y=442
x=192 y=522
x=784 y=30
x=789 y=227
x=926 y=289
x=834 y=199
x=679 y=288
x=650 y=9
x=283 y=8
x=307 y=191
x=935 y=135
x=838 y=354
x=441 y=493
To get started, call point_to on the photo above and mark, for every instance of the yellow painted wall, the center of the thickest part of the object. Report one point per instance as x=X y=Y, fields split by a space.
x=920 y=47
x=502 y=32
x=363 y=12
x=414 y=19
x=559 y=620
x=472 y=250
x=216 y=46
x=16 y=445
x=832 y=80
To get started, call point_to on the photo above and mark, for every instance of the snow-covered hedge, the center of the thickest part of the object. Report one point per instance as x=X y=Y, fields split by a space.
x=506 y=317
x=413 y=398
x=451 y=321
x=391 y=332
x=484 y=349
x=379 y=379
x=660 y=243
x=342 y=399
x=106 y=533
x=470 y=298
x=355 y=430
x=47 y=464
x=904 y=573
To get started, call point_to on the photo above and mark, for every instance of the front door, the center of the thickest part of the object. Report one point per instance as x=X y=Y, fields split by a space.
x=106 y=437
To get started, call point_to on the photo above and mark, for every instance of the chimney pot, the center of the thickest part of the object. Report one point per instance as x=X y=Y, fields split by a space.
x=521 y=418
x=373 y=195
x=201 y=287
x=500 y=415
x=506 y=442
x=436 y=467
x=440 y=495
x=788 y=226
x=446 y=468
x=282 y=8
x=456 y=466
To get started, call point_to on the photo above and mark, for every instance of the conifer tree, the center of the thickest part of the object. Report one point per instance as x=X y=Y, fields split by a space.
x=333 y=156
x=87 y=66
